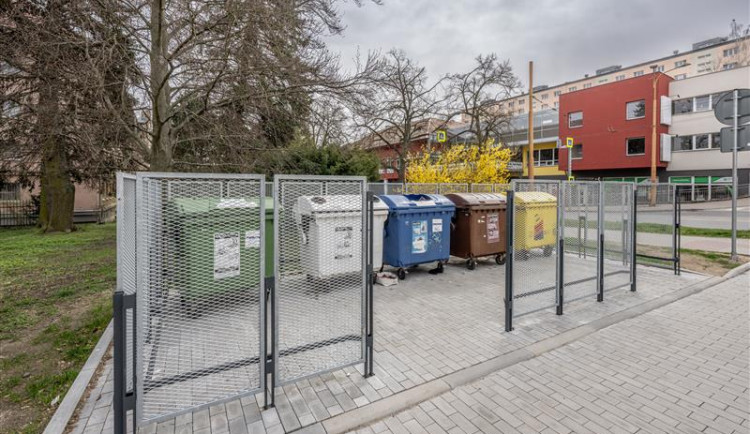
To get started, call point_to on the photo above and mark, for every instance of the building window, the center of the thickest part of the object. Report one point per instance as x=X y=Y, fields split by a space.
x=620 y=77
x=637 y=73
x=603 y=80
x=10 y=191
x=576 y=152
x=716 y=140
x=702 y=103
x=731 y=51
x=557 y=93
x=680 y=76
x=658 y=68
x=635 y=109
x=545 y=106
x=682 y=143
x=587 y=85
x=575 y=119
x=728 y=66
x=545 y=157
x=572 y=89
x=521 y=101
x=697 y=142
x=636 y=146
x=545 y=96
x=680 y=106
x=557 y=104
x=511 y=104
x=702 y=141
x=680 y=63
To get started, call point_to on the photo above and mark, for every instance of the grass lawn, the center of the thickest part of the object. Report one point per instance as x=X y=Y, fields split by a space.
x=55 y=302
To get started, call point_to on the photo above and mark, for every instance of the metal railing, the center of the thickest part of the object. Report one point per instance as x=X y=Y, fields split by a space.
x=18 y=213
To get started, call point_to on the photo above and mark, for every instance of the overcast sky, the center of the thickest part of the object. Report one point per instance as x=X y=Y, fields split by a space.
x=565 y=38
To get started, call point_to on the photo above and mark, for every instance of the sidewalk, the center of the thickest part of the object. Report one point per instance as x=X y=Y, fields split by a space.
x=711 y=244
x=679 y=368
x=427 y=328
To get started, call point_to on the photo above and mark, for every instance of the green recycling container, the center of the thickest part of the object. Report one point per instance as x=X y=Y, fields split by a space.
x=217 y=242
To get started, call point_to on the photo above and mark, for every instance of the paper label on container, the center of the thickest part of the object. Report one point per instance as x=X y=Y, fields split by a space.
x=344 y=237
x=419 y=236
x=437 y=225
x=226 y=255
x=493 y=229
x=252 y=239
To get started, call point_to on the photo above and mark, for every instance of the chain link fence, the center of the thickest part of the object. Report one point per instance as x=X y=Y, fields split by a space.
x=617 y=222
x=579 y=203
x=658 y=208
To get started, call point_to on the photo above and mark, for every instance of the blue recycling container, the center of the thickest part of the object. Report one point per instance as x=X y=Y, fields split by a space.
x=417 y=230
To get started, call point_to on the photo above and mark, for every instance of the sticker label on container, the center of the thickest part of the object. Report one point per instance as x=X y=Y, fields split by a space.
x=252 y=239
x=437 y=225
x=226 y=255
x=493 y=229
x=538 y=227
x=344 y=236
x=419 y=236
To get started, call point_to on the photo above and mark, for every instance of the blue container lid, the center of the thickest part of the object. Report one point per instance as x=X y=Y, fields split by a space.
x=416 y=201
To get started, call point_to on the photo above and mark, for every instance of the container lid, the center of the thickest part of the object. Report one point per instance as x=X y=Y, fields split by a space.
x=415 y=201
x=378 y=204
x=465 y=200
x=534 y=197
x=328 y=204
x=187 y=205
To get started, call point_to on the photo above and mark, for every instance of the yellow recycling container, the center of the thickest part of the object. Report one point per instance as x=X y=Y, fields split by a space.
x=535 y=222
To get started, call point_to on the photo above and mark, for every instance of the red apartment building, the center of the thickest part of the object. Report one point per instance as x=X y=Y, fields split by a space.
x=611 y=127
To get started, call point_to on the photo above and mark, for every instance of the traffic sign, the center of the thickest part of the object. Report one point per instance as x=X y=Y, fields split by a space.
x=569 y=142
x=440 y=136
x=743 y=139
x=724 y=109
x=571 y=178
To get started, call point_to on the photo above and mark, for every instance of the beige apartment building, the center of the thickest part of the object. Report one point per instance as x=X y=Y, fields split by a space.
x=717 y=54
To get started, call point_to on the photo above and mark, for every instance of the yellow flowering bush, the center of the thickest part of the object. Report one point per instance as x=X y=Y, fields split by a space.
x=470 y=164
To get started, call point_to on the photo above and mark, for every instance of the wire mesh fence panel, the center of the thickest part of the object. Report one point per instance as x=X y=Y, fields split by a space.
x=481 y=188
x=579 y=208
x=453 y=188
x=618 y=218
x=320 y=274
x=380 y=188
x=126 y=262
x=200 y=285
x=500 y=188
x=535 y=239
x=656 y=235
x=412 y=188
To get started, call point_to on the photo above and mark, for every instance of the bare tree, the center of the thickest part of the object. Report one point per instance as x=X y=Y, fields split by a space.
x=475 y=94
x=398 y=105
x=56 y=127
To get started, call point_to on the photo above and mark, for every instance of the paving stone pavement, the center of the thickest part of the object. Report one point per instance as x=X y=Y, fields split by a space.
x=425 y=327
x=680 y=368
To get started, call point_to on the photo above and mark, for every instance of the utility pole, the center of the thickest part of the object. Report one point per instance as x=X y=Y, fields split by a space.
x=531 y=119
x=653 y=179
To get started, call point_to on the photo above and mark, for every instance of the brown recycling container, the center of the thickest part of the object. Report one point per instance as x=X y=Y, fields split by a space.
x=478 y=227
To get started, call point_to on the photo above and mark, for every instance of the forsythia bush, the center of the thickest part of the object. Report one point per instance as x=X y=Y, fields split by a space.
x=471 y=164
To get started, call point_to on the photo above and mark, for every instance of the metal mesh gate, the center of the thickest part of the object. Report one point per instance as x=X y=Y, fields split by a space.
x=200 y=290
x=320 y=274
x=534 y=249
x=579 y=202
x=126 y=261
x=617 y=201
x=658 y=225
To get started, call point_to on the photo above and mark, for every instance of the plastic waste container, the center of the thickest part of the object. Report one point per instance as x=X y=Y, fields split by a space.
x=217 y=244
x=331 y=234
x=478 y=227
x=417 y=230
x=379 y=216
x=535 y=222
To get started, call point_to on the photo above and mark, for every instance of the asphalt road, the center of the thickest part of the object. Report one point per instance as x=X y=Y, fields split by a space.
x=720 y=218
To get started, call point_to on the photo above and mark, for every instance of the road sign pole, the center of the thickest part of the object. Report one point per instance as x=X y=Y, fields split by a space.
x=735 y=258
x=569 y=145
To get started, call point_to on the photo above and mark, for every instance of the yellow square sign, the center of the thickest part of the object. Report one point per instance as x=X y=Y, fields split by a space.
x=569 y=142
x=440 y=136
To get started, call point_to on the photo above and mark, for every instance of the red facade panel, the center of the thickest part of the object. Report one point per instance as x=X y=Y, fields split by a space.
x=606 y=128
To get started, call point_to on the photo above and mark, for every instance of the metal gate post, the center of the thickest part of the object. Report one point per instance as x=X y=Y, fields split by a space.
x=600 y=250
x=269 y=319
x=122 y=400
x=509 y=235
x=677 y=231
x=634 y=231
x=369 y=310
x=560 y=247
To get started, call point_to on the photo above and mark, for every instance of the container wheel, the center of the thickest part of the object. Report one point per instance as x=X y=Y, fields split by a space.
x=440 y=267
x=401 y=274
x=500 y=259
x=374 y=278
x=547 y=250
x=471 y=264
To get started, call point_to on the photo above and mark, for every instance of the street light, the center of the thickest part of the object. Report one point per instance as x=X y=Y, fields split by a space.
x=655 y=81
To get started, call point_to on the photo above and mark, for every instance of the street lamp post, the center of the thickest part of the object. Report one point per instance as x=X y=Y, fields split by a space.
x=654 y=145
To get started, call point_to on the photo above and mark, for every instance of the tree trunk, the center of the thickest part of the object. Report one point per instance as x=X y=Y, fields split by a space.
x=58 y=192
x=161 y=141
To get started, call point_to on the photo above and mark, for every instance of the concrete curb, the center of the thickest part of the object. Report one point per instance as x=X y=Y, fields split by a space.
x=398 y=402
x=65 y=411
